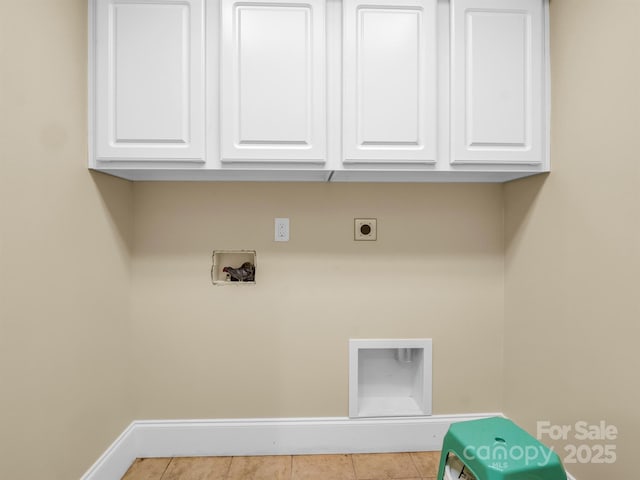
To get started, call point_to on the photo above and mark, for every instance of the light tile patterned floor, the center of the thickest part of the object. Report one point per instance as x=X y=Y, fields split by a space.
x=379 y=466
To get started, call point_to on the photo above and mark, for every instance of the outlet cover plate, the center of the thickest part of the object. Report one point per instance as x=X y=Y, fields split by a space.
x=281 y=230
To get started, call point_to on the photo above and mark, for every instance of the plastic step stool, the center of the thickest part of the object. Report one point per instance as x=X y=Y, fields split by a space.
x=497 y=449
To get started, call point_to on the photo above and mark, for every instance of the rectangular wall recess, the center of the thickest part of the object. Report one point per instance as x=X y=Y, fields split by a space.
x=390 y=378
x=234 y=260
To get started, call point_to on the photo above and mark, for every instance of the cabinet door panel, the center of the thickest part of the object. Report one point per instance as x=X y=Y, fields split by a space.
x=273 y=81
x=389 y=81
x=497 y=81
x=149 y=80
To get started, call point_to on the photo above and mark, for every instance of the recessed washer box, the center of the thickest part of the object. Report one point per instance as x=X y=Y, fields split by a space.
x=234 y=259
x=390 y=377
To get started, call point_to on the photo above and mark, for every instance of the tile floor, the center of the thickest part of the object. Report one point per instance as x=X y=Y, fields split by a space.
x=380 y=466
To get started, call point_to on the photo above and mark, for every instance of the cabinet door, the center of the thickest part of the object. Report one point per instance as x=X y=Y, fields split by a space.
x=149 y=80
x=389 y=70
x=273 y=88
x=497 y=80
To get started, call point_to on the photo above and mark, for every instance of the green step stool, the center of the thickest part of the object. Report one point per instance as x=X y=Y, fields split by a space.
x=497 y=449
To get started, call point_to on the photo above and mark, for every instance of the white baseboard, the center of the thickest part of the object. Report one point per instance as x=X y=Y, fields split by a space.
x=115 y=461
x=296 y=436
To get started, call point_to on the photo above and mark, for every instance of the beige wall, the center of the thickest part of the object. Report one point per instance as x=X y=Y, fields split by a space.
x=279 y=348
x=64 y=255
x=573 y=240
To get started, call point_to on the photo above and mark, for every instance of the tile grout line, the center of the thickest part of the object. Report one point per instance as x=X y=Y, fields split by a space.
x=226 y=474
x=416 y=466
x=353 y=467
x=291 y=472
x=166 y=468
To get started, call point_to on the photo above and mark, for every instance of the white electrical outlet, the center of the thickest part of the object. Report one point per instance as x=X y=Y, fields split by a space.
x=365 y=229
x=281 y=229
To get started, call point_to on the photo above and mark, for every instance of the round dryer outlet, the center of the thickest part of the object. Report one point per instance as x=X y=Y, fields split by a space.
x=365 y=229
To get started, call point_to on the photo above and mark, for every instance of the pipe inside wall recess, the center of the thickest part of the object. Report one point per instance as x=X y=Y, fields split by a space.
x=404 y=355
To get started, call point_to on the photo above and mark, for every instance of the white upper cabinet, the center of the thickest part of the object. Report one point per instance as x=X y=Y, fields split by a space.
x=498 y=81
x=273 y=81
x=149 y=83
x=389 y=69
x=319 y=90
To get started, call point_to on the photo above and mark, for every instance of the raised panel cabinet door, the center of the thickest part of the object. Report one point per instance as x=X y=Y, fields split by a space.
x=497 y=81
x=149 y=80
x=273 y=87
x=389 y=68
